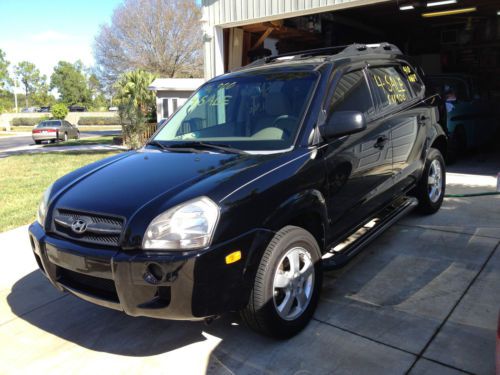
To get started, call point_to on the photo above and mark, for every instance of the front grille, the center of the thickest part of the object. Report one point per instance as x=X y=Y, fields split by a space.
x=100 y=229
x=96 y=286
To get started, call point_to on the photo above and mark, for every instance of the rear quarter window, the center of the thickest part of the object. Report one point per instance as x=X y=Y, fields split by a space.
x=413 y=79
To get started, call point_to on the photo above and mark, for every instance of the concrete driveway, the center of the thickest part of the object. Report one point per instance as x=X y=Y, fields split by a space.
x=422 y=299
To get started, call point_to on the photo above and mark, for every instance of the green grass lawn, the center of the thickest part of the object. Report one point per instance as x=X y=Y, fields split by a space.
x=23 y=179
x=104 y=140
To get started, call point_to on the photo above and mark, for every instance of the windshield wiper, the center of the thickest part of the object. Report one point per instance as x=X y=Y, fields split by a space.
x=173 y=149
x=208 y=145
x=157 y=144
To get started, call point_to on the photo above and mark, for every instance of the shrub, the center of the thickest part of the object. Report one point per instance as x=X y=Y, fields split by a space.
x=59 y=111
x=27 y=121
x=99 y=120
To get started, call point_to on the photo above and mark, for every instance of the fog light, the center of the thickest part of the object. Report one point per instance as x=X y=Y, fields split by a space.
x=153 y=274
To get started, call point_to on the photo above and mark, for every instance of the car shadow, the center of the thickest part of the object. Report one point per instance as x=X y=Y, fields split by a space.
x=105 y=330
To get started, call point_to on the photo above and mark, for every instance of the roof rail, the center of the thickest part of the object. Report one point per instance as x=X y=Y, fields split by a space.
x=355 y=48
x=383 y=47
x=297 y=54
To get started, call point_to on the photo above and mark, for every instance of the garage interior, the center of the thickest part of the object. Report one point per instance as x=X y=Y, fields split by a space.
x=457 y=36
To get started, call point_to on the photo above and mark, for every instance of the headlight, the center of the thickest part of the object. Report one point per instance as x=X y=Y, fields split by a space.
x=187 y=226
x=42 y=207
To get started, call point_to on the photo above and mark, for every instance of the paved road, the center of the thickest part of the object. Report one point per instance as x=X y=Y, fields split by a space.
x=26 y=140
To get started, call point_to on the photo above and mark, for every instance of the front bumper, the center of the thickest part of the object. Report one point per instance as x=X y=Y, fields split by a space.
x=159 y=285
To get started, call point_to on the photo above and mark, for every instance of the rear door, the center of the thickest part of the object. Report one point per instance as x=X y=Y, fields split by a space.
x=397 y=91
x=359 y=166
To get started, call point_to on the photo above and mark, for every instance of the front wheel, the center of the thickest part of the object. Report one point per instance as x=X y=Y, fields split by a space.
x=431 y=187
x=287 y=285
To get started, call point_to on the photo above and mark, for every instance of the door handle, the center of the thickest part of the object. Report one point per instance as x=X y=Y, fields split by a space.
x=381 y=141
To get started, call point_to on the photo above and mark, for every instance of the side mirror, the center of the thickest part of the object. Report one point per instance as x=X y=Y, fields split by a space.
x=343 y=123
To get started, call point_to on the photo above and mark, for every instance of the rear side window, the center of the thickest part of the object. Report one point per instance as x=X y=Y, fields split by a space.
x=352 y=94
x=389 y=86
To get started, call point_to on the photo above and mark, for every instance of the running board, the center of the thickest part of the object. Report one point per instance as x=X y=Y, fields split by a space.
x=342 y=251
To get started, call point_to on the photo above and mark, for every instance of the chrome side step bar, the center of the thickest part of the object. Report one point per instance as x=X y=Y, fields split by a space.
x=343 y=251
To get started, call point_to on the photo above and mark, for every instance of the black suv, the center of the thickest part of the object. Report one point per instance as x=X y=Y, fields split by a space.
x=264 y=178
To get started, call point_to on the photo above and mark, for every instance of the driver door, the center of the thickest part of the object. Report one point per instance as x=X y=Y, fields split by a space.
x=359 y=166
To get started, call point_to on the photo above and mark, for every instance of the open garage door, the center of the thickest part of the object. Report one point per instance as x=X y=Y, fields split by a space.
x=453 y=36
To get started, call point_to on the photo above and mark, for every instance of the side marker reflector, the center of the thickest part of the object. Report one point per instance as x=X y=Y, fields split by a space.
x=233 y=257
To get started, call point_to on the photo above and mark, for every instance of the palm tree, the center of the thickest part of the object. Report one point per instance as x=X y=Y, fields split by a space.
x=136 y=102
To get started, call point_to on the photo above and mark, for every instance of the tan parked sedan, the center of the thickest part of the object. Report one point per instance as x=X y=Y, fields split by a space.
x=54 y=130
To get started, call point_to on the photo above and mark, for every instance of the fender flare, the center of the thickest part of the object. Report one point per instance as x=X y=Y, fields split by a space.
x=308 y=204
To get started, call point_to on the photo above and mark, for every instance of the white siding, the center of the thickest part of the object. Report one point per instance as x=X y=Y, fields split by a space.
x=228 y=13
x=219 y=14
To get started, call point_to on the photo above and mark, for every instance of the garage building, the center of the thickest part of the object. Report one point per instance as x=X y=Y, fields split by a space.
x=441 y=36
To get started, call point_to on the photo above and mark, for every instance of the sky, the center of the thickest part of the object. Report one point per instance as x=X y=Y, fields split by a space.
x=47 y=31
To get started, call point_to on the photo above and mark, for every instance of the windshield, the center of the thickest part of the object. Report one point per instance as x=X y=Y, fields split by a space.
x=254 y=112
x=49 y=124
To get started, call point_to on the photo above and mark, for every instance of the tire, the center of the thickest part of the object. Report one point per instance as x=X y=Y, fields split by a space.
x=38 y=142
x=430 y=196
x=267 y=311
x=65 y=137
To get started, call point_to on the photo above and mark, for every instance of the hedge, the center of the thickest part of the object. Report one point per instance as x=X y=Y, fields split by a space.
x=27 y=121
x=101 y=120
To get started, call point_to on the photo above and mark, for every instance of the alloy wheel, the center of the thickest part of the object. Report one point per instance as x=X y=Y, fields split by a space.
x=293 y=283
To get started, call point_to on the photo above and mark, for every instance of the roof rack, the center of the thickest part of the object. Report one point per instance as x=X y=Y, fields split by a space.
x=384 y=47
x=351 y=49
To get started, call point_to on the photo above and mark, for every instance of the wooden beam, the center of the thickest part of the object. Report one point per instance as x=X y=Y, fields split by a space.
x=262 y=38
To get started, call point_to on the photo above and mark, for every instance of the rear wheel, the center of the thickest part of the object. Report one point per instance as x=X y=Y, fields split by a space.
x=432 y=184
x=38 y=142
x=287 y=285
x=65 y=137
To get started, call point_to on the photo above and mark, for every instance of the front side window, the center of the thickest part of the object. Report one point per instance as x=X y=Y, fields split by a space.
x=248 y=112
x=389 y=86
x=352 y=94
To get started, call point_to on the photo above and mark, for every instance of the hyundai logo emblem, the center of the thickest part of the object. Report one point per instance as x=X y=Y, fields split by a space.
x=79 y=226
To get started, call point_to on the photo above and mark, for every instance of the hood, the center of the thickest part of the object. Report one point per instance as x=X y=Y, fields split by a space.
x=124 y=185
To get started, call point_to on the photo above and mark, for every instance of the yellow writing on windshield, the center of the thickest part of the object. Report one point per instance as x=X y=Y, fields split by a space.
x=212 y=100
x=226 y=85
